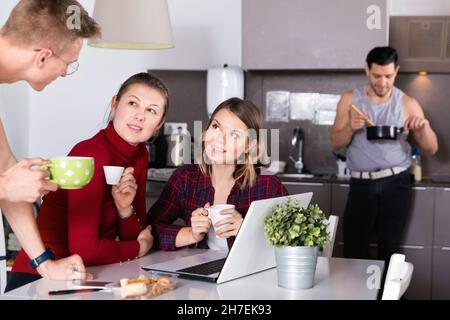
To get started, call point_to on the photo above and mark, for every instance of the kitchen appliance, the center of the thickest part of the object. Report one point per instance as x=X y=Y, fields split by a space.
x=179 y=148
x=416 y=165
x=222 y=84
x=343 y=171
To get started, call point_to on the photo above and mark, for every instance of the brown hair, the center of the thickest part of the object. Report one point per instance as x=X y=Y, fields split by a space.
x=251 y=116
x=45 y=23
x=150 y=81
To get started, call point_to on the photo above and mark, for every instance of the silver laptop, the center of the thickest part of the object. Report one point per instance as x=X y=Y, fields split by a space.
x=250 y=253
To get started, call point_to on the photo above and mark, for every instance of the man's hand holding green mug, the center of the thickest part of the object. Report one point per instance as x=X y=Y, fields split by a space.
x=70 y=172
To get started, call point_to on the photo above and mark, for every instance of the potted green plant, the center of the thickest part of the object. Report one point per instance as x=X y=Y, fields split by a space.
x=297 y=234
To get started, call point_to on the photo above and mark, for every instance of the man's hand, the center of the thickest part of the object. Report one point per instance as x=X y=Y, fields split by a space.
x=124 y=193
x=70 y=268
x=23 y=183
x=415 y=123
x=356 y=121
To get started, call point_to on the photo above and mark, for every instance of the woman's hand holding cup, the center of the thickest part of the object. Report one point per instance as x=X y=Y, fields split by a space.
x=124 y=193
x=226 y=220
x=200 y=223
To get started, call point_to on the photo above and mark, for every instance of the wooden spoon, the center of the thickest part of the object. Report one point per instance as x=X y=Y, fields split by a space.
x=369 y=122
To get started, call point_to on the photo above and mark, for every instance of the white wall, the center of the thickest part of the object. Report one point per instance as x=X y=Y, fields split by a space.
x=206 y=33
x=14 y=103
x=420 y=7
x=15 y=115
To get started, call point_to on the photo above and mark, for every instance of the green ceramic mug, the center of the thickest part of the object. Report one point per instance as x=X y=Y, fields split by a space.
x=70 y=172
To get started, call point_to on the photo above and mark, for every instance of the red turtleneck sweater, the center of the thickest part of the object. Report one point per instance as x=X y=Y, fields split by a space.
x=86 y=221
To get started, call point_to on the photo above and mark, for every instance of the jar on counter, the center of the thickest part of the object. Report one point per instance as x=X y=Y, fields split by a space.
x=416 y=166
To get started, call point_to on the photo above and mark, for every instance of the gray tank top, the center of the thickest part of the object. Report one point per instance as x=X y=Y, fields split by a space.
x=365 y=155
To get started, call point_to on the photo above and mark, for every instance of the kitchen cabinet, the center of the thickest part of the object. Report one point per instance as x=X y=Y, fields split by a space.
x=416 y=242
x=421 y=42
x=441 y=245
x=441 y=274
x=304 y=34
x=421 y=258
x=321 y=192
x=339 y=194
x=420 y=285
x=442 y=217
x=419 y=224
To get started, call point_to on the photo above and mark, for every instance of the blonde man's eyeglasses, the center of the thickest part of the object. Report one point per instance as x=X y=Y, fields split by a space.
x=72 y=67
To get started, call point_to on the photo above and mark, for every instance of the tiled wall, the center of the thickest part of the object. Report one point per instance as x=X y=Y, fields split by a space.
x=188 y=103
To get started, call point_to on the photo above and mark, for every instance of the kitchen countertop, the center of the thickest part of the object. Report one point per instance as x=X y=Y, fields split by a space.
x=427 y=182
x=331 y=178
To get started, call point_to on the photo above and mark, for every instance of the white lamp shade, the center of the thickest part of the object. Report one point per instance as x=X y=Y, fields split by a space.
x=133 y=24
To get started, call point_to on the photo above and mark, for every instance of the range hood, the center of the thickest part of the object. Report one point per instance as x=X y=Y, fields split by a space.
x=422 y=42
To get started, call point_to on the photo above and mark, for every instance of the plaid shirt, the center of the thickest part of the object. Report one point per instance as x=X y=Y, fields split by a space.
x=188 y=189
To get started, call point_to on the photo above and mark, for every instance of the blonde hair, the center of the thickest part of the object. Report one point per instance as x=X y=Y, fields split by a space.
x=251 y=116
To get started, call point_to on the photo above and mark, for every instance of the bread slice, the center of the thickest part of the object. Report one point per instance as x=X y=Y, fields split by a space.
x=133 y=290
x=145 y=287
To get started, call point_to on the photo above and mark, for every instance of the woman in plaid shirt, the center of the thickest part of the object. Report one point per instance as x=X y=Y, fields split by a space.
x=225 y=174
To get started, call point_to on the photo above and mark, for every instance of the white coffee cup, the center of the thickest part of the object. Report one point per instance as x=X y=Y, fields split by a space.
x=113 y=174
x=215 y=216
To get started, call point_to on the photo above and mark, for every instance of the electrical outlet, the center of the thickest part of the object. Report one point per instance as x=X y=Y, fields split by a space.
x=175 y=127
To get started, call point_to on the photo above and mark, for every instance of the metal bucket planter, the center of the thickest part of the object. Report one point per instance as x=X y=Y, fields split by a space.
x=296 y=266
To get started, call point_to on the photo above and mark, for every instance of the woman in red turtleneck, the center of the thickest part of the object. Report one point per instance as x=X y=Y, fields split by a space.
x=88 y=221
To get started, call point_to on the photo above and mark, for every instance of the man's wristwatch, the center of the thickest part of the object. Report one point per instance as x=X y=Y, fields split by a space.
x=48 y=254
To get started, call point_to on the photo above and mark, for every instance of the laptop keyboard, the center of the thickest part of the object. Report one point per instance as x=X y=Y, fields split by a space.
x=207 y=268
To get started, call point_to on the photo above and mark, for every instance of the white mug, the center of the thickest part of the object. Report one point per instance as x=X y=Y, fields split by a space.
x=215 y=216
x=113 y=174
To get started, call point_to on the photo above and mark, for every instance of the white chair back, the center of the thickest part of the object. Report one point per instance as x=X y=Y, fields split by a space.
x=3 y=255
x=331 y=229
x=398 y=277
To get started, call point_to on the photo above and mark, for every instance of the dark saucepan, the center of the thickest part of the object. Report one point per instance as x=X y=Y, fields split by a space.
x=383 y=132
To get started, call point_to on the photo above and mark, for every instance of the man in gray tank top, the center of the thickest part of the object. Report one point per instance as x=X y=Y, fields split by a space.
x=380 y=187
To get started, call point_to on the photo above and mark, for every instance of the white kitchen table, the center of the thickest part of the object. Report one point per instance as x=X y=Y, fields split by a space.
x=336 y=278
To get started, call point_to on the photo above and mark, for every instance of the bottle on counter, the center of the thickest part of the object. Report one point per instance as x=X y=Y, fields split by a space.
x=416 y=166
